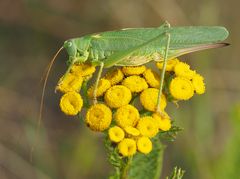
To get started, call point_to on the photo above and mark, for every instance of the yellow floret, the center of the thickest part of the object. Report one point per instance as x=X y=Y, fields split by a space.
x=69 y=82
x=115 y=76
x=152 y=78
x=147 y=126
x=116 y=134
x=144 y=145
x=98 y=117
x=181 y=88
x=83 y=69
x=133 y=70
x=135 y=83
x=149 y=97
x=170 y=64
x=117 y=96
x=127 y=147
x=163 y=122
x=132 y=131
x=71 y=103
x=198 y=84
x=183 y=70
x=127 y=115
x=103 y=86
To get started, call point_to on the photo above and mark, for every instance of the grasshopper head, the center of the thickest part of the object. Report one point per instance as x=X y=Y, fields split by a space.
x=77 y=48
x=71 y=48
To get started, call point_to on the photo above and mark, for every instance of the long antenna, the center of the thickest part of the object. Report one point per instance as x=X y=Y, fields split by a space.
x=42 y=100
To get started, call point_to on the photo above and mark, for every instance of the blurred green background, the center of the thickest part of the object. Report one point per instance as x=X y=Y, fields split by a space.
x=31 y=31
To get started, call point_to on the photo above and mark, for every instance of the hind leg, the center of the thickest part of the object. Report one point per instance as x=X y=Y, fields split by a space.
x=97 y=82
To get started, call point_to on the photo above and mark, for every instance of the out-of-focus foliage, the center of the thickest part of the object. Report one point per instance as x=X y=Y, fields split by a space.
x=32 y=30
x=227 y=165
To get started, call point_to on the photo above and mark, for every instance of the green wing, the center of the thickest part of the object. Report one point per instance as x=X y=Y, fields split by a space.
x=183 y=40
x=190 y=39
x=136 y=46
x=132 y=56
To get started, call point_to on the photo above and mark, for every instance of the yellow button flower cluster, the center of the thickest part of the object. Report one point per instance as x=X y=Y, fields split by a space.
x=130 y=124
x=129 y=130
x=70 y=84
x=185 y=82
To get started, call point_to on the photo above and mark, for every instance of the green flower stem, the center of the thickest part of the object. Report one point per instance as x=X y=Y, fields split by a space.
x=124 y=174
x=85 y=95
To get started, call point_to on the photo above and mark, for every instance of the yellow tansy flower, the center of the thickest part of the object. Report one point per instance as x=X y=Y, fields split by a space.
x=71 y=103
x=103 y=86
x=152 y=78
x=170 y=64
x=117 y=96
x=127 y=115
x=149 y=97
x=198 y=84
x=163 y=122
x=147 y=126
x=133 y=70
x=98 y=117
x=183 y=70
x=181 y=88
x=144 y=145
x=83 y=69
x=115 y=76
x=132 y=131
x=135 y=83
x=69 y=82
x=127 y=147
x=116 y=134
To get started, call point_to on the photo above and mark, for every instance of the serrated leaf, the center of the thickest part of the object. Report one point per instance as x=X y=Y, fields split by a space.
x=114 y=158
x=147 y=166
x=171 y=134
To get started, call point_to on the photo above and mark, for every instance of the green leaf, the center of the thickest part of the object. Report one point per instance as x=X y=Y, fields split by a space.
x=171 y=134
x=147 y=166
x=114 y=158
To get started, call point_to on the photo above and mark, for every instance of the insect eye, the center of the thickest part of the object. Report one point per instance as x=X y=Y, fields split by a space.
x=68 y=44
x=70 y=47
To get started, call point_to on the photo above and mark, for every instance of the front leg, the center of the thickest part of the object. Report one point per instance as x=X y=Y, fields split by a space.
x=97 y=82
